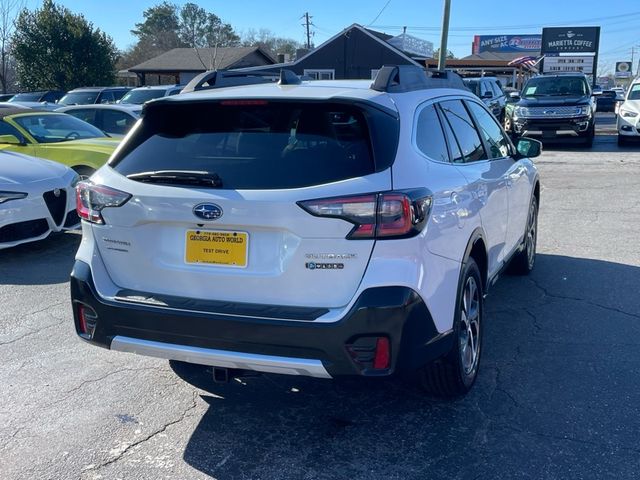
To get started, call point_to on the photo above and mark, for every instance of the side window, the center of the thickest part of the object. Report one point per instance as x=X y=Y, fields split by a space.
x=118 y=94
x=464 y=131
x=85 y=114
x=429 y=135
x=114 y=121
x=6 y=129
x=106 y=97
x=491 y=131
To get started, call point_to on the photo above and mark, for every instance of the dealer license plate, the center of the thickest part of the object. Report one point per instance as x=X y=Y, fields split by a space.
x=213 y=247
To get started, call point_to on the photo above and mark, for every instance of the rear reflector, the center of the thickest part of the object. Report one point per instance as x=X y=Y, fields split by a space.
x=87 y=320
x=382 y=358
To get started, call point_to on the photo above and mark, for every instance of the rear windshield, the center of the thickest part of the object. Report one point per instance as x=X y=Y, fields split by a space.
x=254 y=144
x=79 y=98
x=141 y=96
x=27 y=97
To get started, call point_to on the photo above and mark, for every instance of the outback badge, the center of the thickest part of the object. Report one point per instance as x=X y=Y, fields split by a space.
x=207 y=211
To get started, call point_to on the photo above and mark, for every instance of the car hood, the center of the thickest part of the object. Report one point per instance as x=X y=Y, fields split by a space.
x=633 y=105
x=16 y=169
x=553 y=101
x=98 y=145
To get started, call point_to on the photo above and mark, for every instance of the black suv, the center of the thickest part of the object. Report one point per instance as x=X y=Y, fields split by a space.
x=555 y=106
x=489 y=90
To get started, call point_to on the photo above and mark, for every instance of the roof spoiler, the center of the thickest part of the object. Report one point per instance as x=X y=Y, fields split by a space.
x=229 y=78
x=408 y=78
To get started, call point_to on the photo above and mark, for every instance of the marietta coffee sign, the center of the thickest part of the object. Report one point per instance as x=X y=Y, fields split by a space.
x=566 y=39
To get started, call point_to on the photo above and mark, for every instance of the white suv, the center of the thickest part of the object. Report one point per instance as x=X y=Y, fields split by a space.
x=308 y=228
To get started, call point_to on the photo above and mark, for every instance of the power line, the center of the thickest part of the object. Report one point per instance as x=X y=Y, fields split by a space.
x=379 y=13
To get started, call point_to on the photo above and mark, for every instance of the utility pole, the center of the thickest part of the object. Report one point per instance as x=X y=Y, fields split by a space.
x=442 y=61
x=307 y=24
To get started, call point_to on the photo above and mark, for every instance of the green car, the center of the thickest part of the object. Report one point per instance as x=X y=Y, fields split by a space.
x=56 y=136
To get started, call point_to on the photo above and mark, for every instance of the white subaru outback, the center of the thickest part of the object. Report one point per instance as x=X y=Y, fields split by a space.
x=308 y=228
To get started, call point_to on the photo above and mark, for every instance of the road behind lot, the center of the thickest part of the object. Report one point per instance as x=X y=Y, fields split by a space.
x=558 y=394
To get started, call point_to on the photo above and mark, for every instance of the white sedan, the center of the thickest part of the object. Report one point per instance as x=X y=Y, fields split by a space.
x=37 y=197
x=629 y=116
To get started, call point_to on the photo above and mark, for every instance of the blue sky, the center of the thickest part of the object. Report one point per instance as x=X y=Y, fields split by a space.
x=620 y=20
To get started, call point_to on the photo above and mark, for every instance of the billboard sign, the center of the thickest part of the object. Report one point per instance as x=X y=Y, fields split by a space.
x=507 y=43
x=623 y=70
x=571 y=49
x=567 y=39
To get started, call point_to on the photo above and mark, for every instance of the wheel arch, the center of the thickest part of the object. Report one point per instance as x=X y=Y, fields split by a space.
x=477 y=249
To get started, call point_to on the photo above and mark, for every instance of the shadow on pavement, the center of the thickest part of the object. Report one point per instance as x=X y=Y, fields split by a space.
x=30 y=263
x=558 y=387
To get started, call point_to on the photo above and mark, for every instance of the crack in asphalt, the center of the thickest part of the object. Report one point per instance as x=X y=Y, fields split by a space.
x=10 y=439
x=577 y=299
x=146 y=438
x=69 y=393
x=33 y=332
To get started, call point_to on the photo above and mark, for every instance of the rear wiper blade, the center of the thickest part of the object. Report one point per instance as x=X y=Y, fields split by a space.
x=179 y=177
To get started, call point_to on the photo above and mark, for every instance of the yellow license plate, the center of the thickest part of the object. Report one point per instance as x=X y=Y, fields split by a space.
x=212 y=247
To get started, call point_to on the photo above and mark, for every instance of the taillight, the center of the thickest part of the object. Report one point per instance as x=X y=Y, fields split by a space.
x=91 y=199
x=379 y=215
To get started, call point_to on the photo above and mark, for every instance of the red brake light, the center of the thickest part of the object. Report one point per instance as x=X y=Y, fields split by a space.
x=379 y=215
x=91 y=199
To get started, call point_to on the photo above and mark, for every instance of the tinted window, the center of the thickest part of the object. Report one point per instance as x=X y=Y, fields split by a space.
x=429 y=135
x=254 y=146
x=474 y=86
x=634 y=92
x=556 y=86
x=456 y=154
x=491 y=132
x=141 y=96
x=118 y=94
x=79 y=98
x=485 y=88
x=27 y=97
x=6 y=129
x=497 y=91
x=85 y=114
x=106 y=97
x=464 y=130
x=114 y=121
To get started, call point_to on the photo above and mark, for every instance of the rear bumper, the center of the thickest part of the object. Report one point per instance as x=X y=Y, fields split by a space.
x=341 y=348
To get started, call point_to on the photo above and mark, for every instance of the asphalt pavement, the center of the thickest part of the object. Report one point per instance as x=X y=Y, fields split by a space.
x=558 y=394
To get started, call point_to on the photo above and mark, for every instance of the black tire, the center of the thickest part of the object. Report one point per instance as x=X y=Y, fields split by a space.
x=524 y=261
x=588 y=139
x=622 y=141
x=454 y=374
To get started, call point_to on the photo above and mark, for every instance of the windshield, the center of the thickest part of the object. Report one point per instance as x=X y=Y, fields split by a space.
x=474 y=87
x=140 y=96
x=556 y=86
x=79 y=98
x=27 y=97
x=634 y=93
x=58 y=127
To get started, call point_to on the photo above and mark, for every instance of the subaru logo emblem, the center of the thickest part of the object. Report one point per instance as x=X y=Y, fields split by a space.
x=207 y=211
x=549 y=112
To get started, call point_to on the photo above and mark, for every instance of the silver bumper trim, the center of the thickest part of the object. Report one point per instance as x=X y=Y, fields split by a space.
x=221 y=358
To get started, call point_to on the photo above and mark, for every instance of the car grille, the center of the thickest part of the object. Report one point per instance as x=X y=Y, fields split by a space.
x=23 y=230
x=57 y=205
x=552 y=112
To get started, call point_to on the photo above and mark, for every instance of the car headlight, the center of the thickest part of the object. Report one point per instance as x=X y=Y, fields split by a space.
x=7 y=196
x=584 y=110
x=628 y=113
x=521 y=111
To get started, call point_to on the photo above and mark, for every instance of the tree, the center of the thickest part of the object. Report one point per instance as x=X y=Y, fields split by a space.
x=160 y=27
x=450 y=55
x=9 y=10
x=267 y=39
x=56 y=49
x=199 y=29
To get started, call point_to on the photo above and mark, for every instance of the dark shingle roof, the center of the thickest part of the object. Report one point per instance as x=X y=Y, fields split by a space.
x=198 y=60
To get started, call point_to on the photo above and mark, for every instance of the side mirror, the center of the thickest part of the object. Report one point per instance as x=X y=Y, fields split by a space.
x=515 y=95
x=11 y=140
x=596 y=93
x=528 y=147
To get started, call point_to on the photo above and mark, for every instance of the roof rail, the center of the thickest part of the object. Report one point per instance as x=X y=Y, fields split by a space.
x=408 y=78
x=230 y=78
